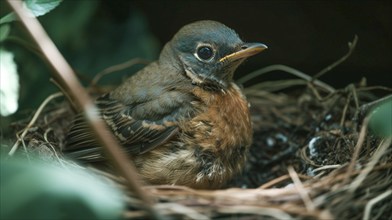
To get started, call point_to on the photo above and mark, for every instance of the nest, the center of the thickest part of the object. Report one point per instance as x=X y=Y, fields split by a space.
x=311 y=158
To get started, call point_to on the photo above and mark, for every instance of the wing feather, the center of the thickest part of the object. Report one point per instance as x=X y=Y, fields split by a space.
x=137 y=135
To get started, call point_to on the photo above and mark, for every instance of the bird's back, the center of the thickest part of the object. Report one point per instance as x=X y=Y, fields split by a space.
x=142 y=113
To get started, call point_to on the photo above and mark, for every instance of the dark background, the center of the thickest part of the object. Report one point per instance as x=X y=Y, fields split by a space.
x=306 y=35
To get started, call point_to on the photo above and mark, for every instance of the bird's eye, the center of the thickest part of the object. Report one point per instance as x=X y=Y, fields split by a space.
x=205 y=53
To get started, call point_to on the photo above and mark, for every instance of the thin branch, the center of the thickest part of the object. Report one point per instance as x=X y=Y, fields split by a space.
x=116 y=68
x=24 y=146
x=343 y=118
x=358 y=147
x=52 y=147
x=33 y=120
x=181 y=209
x=327 y=167
x=351 y=47
x=375 y=88
x=67 y=79
x=279 y=180
x=372 y=202
x=371 y=164
x=287 y=69
x=295 y=72
x=64 y=92
x=274 y=213
x=26 y=45
x=274 y=181
x=355 y=96
x=301 y=190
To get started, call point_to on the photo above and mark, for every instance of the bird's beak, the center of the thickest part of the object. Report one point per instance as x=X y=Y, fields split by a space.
x=247 y=50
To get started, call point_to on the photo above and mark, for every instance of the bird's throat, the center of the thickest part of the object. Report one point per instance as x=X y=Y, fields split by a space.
x=205 y=82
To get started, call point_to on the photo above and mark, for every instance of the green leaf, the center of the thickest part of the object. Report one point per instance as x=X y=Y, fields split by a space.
x=381 y=119
x=4 y=31
x=8 y=18
x=37 y=8
x=37 y=190
x=9 y=83
x=41 y=7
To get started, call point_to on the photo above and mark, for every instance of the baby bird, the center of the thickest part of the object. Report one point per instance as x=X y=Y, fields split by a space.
x=182 y=118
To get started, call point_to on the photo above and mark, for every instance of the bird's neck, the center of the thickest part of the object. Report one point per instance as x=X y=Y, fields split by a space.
x=168 y=57
x=229 y=112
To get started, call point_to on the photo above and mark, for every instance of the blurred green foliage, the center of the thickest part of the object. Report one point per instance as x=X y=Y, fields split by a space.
x=32 y=189
x=9 y=83
x=380 y=121
x=90 y=37
x=41 y=7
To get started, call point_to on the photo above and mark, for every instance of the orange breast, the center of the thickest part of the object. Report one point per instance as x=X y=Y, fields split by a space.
x=211 y=147
x=225 y=123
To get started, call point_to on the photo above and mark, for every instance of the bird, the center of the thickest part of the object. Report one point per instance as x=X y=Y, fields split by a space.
x=182 y=118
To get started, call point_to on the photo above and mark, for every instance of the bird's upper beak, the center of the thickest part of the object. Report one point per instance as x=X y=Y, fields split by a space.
x=247 y=50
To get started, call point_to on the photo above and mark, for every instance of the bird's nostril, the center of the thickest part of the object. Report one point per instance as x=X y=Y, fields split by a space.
x=243 y=47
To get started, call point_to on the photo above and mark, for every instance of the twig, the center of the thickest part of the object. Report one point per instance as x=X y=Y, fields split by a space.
x=33 y=120
x=234 y=195
x=284 y=68
x=305 y=157
x=26 y=45
x=326 y=167
x=51 y=146
x=67 y=78
x=375 y=88
x=328 y=181
x=351 y=47
x=369 y=167
x=355 y=95
x=64 y=92
x=372 y=202
x=301 y=190
x=274 y=181
x=358 y=147
x=343 y=118
x=275 y=85
x=279 y=180
x=181 y=209
x=116 y=68
x=274 y=213
x=24 y=146
x=317 y=94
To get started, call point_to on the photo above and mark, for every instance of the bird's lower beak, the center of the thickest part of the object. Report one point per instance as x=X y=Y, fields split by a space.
x=247 y=50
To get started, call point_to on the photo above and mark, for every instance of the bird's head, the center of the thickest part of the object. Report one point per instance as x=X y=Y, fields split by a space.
x=210 y=52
